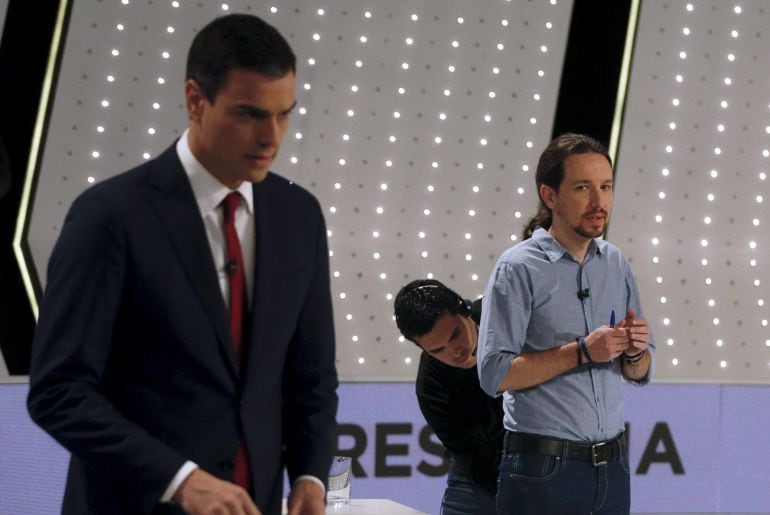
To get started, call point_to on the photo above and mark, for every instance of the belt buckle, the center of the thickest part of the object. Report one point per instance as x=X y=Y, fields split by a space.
x=595 y=459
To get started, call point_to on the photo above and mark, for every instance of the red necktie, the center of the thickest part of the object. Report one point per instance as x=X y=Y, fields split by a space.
x=236 y=273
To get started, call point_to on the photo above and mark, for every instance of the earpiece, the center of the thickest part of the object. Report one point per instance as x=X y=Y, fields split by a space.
x=466 y=306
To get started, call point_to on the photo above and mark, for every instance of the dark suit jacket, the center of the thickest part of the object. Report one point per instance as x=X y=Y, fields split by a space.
x=133 y=368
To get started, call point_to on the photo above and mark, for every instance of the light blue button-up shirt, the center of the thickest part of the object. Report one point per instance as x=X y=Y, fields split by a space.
x=531 y=304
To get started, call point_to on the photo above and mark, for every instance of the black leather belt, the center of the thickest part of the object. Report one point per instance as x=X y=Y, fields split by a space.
x=598 y=453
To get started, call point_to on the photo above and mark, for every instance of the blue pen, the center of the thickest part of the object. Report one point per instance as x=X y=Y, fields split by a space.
x=612 y=318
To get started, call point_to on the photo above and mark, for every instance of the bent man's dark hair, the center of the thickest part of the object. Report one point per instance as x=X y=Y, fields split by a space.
x=421 y=303
x=237 y=41
x=550 y=171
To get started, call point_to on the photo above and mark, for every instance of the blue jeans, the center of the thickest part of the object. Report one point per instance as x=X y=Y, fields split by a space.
x=464 y=497
x=537 y=484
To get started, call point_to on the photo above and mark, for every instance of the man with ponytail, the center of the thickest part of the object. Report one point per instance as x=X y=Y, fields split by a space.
x=549 y=343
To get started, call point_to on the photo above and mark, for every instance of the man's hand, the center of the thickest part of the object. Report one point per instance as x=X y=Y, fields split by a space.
x=203 y=494
x=306 y=498
x=606 y=343
x=637 y=333
x=630 y=336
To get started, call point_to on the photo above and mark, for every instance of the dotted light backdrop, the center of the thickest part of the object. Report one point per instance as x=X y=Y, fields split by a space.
x=691 y=190
x=418 y=127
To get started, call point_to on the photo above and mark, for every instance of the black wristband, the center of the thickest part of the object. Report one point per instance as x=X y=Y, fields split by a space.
x=580 y=354
x=633 y=359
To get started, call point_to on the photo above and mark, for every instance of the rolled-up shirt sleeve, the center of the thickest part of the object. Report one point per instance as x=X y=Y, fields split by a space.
x=505 y=313
x=635 y=302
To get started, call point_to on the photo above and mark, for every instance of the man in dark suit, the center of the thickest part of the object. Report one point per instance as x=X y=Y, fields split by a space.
x=185 y=348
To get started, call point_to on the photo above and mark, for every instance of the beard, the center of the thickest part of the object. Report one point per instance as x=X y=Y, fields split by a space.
x=590 y=233
x=589 y=230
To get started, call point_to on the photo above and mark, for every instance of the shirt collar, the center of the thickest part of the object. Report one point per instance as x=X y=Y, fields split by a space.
x=555 y=251
x=209 y=192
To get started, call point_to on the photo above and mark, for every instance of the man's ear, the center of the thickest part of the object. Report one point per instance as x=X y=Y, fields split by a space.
x=194 y=98
x=547 y=195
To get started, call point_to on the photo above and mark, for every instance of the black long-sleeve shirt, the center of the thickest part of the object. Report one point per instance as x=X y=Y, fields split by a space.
x=467 y=421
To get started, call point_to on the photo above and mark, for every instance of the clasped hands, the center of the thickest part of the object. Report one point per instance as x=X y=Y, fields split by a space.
x=630 y=336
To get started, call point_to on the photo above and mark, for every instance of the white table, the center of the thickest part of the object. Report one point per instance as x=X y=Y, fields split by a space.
x=369 y=507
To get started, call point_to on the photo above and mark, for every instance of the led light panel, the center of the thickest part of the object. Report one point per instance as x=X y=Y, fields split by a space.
x=691 y=187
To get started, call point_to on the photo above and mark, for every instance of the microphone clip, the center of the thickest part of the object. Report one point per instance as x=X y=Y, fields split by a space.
x=231 y=267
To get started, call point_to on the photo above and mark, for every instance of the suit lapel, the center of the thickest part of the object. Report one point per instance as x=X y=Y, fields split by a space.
x=178 y=210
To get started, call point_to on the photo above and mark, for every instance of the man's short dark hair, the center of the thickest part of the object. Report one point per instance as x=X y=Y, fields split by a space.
x=237 y=41
x=421 y=303
x=550 y=170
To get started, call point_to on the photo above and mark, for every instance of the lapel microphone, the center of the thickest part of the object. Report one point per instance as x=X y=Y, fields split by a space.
x=584 y=294
x=231 y=267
